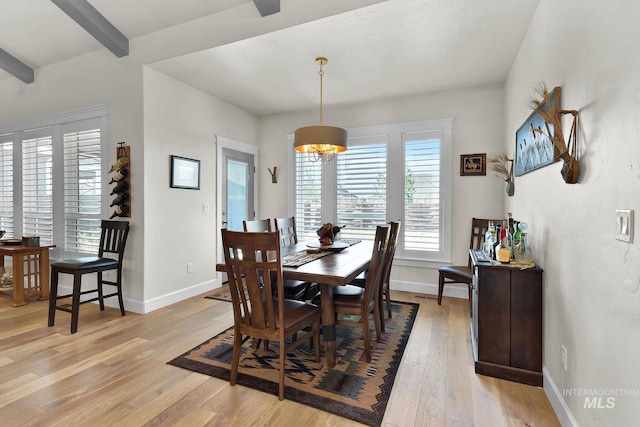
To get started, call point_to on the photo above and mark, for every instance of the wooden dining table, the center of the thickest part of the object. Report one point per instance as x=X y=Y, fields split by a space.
x=339 y=268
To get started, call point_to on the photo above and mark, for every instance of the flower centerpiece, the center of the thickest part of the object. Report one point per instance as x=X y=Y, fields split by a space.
x=327 y=233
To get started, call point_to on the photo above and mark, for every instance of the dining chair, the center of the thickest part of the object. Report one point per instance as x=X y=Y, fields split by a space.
x=254 y=268
x=294 y=289
x=354 y=300
x=113 y=239
x=463 y=273
x=384 y=291
x=257 y=225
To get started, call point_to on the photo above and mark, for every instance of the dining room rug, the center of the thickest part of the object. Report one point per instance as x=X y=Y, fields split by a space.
x=353 y=389
x=221 y=294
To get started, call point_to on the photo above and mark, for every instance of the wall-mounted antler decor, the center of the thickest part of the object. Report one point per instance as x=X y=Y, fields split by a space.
x=552 y=115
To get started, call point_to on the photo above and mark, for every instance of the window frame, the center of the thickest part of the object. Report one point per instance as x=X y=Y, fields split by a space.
x=58 y=124
x=395 y=181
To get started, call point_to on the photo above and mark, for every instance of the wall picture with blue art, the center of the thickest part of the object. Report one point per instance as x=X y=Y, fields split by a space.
x=534 y=149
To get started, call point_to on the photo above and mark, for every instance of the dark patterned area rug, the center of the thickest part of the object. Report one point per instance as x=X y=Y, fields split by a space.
x=353 y=389
x=222 y=293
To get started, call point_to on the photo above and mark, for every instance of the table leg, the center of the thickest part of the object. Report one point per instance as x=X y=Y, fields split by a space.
x=44 y=274
x=18 y=280
x=328 y=323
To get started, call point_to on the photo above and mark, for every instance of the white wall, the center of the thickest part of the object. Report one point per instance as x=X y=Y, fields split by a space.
x=183 y=121
x=591 y=281
x=477 y=128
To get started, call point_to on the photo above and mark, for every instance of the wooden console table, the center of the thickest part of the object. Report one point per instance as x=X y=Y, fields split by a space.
x=506 y=331
x=30 y=271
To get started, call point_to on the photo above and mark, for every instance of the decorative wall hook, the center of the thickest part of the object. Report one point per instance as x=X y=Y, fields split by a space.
x=274 y=178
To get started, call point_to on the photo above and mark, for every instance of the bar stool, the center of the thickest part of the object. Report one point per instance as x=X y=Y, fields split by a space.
x=112 y=241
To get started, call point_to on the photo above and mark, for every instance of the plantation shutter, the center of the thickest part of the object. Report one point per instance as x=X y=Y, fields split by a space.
x=422 y=207
x=6 y=184
x=308 y=196
x=362 y=187
x=82 y=189
x=37 y=185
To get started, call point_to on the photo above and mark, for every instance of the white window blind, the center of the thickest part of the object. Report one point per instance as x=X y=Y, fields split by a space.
x=422 y=213
x=362 y=188
x=82 y=190
x=37 y=185
x=389 y=172
x=6 y=185
x=308 y=196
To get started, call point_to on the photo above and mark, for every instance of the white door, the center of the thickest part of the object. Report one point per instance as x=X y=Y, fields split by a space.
x=237 y=189
x=236 y=184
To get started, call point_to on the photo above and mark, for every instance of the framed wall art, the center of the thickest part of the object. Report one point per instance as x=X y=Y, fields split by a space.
x=473 y=164
x=534 y=149
x=185 y=173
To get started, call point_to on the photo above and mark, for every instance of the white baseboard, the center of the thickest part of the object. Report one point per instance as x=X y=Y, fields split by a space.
x=557 y=401
x=454 y=290
x=142 y=307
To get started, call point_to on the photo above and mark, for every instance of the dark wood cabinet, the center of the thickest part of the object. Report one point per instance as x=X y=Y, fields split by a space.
x=506 y=330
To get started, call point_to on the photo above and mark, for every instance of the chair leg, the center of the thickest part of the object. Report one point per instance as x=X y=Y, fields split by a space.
x=470 y=300
x=365 y=336
x=120 y=300
x=235 y=357
x=75 y=301
x=440 y=288
x=387 y=294
x=53 y=296
x=281 y=374
x=379 y=304
x=316 y=339
x=377 y=316
x=100 y=291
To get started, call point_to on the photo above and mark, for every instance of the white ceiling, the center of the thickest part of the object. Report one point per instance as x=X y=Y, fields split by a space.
x=391 y=48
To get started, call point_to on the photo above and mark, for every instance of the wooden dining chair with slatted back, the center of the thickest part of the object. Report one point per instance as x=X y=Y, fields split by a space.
x=113 y=239
x=463 y=273
x=353 y=300
x=385 y=292
x=254 y=268
x=293 y=289
x=257 y=225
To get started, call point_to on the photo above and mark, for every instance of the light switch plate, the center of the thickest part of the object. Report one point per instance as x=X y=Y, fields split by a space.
x=624 y=225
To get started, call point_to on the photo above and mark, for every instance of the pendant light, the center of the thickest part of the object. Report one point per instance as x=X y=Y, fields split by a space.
x=320 y=142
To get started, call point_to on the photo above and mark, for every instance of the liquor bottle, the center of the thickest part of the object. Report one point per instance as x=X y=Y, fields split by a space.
x=122 y=197
x=496 y=242
x=121 y=173
x=523 y=251
x=120 y=210
x=121 y=187
x=488 y=242
x=122 y=161
x=504 y=252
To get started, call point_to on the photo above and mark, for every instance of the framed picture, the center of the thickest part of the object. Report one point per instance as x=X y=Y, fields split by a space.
x=534 y=149
x=473 y=164
x=185 y=173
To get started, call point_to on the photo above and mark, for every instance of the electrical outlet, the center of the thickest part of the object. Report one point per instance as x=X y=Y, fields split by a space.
x=190 y=267
x=564 y=357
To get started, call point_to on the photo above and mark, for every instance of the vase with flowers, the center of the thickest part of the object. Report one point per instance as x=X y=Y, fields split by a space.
x=327 y=233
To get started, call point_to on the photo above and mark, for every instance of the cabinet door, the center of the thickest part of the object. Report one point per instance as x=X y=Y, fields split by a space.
x=494 y=332
x=526 y=319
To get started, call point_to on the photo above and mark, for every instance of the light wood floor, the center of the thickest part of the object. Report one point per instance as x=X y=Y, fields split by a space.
x=114 y=372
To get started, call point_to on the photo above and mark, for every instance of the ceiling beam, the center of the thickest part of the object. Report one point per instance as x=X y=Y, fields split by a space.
x=14 y=66
x=95 y=24
x=267 y=7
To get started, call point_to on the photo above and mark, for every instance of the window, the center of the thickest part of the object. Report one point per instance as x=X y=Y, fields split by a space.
x=6 y=184
x=51 y=181
x=389 y=172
